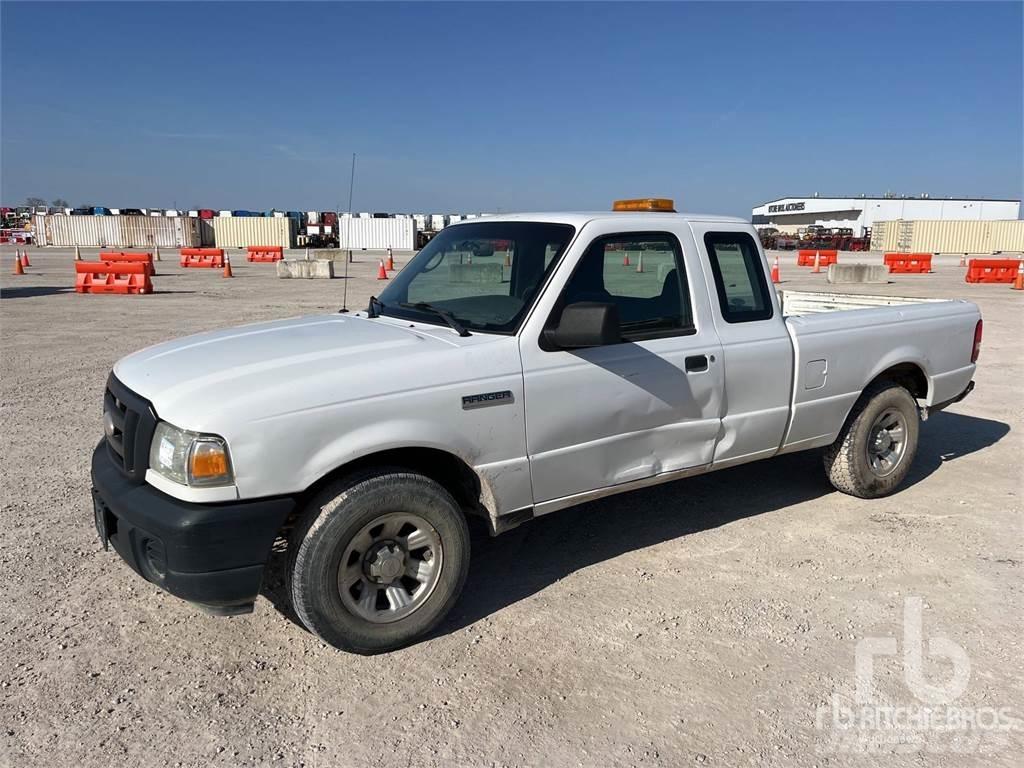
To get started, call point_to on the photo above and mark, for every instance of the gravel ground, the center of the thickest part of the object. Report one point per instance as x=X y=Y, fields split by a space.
x=713 y=621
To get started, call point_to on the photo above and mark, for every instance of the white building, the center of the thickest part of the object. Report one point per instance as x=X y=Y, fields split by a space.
x=788 y=214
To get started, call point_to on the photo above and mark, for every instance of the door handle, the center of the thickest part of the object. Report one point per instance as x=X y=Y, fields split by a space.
x=696 y=363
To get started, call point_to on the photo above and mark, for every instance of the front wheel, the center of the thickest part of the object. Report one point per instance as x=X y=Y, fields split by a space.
x=378 y=560
x=876 y=446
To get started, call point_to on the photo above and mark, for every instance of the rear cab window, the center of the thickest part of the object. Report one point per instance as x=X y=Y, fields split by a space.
x=743 y=292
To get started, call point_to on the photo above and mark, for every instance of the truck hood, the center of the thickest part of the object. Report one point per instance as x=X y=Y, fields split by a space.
x=311 y=359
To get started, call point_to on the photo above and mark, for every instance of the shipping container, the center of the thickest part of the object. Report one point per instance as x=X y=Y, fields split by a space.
x=377 y=234
x=312 y=217
x=116 y=231
x=243 y=231
x=437 y=221
x=948 y=236
x=454 y=218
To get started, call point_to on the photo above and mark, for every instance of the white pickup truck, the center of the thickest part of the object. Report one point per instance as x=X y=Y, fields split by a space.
x=516 y=366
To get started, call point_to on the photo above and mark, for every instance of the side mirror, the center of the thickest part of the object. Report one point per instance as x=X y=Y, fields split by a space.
x=586 y=324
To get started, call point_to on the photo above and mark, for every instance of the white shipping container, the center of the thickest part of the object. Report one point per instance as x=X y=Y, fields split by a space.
x=243 y=231
x=437 y=221
x=948 y=236
x=312 y=217
x=378 y=234
x=454 y=218
x=116 y=231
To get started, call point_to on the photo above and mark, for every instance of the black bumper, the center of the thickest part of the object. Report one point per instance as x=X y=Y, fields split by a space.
x=211 y=554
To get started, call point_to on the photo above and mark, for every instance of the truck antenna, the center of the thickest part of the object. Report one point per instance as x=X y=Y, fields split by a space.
x=348 y=241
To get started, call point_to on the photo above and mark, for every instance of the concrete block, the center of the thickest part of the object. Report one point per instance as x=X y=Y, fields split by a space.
x=475 y=273
x=858 y=273
x=312 y=269
x=331 y=254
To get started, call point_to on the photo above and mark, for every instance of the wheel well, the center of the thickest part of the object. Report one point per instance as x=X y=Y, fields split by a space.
x=908 y=375
x=446 y=469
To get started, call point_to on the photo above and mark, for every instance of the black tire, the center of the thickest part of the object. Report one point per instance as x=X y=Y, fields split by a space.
x=847 y=461
x=332 y=520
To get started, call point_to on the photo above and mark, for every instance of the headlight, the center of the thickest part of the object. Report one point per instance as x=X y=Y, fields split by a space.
x=190 y=458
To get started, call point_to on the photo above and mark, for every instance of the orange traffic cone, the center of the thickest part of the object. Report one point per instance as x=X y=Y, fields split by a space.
x=227 y=266
x=381 y=272
x=1018 y=283
x=625 y=260
x=508 y=259
x=24 y=259
x=78 y=253
x=391 y=262
x=19 y=269
x=817 y=262
x=776 y=275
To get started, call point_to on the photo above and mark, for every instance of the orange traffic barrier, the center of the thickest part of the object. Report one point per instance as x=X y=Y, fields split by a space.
x=117 y=257
x=19 y=268
x=227 y=267
x=1018 y=282
x=805 y=258
x=908 y=262
x=776 y=273
x=123 y=277
x=381 y=272
x=264 y=253
x=992 y=270
x=211 y=258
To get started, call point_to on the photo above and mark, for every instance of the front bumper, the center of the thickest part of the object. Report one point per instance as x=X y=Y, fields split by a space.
x=210 y=554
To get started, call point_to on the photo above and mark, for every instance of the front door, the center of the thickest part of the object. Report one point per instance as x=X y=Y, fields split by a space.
x=605 y=416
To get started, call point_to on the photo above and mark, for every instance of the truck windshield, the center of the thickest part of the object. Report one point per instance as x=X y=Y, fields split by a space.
x=484 y=275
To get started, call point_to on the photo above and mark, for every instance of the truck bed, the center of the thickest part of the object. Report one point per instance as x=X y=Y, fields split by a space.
x=795 y=303
x=841 y=343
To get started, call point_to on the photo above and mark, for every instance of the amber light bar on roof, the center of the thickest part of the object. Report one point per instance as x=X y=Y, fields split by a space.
x=645 y=204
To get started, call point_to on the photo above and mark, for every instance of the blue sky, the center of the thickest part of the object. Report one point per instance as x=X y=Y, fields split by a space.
x=488 y=106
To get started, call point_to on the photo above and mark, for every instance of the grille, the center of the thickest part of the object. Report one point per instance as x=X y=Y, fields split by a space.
x=129 y=421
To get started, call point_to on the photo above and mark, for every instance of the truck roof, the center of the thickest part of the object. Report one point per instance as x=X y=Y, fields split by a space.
x=579 y=218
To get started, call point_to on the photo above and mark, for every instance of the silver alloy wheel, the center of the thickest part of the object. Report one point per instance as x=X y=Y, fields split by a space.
x=887 y=442
x=390 y=567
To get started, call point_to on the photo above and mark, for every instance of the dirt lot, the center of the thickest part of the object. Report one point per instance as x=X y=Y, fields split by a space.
x=712 y=621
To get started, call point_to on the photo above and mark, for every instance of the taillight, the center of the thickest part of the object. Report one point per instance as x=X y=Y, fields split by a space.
x=977 y=343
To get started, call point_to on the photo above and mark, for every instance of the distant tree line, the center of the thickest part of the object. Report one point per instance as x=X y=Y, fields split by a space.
x=34 y=202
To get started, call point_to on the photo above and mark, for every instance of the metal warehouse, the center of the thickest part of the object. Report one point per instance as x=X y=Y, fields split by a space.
x=790 y=214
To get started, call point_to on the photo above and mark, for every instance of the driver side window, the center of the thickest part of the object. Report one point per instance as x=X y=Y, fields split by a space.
x=642 y=274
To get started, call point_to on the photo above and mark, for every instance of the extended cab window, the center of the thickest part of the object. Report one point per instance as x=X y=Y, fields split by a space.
x=642 y=274
x=739 y=277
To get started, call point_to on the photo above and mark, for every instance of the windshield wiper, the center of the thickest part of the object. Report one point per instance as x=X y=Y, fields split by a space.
x=374 y=308
x=455 y=325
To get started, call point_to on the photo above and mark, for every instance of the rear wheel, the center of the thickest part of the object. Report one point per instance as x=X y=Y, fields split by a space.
x=378 y=560
x=874 y=451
